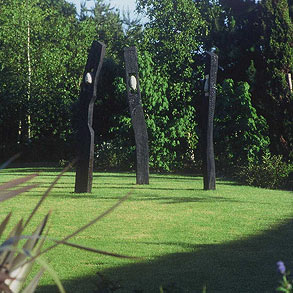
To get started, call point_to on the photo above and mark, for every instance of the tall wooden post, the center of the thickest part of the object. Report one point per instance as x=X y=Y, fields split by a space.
x=137 y=116
x=85 y=133
x=207 y=113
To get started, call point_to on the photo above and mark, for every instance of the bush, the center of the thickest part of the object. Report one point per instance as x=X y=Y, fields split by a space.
x=114 y=155
x=240 y=134
x=271 y=172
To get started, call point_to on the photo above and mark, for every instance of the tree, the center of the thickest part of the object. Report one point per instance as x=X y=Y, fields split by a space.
x=133 y=29
x=108 y=27
x=173 y=40
x=241 y=136
x=254 y=43
x=273 y=90
x=56 y=54
x=233 y=31
x=14 y=75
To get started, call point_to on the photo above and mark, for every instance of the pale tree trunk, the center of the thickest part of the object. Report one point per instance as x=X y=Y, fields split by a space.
x=24 y=125
x=29 y=72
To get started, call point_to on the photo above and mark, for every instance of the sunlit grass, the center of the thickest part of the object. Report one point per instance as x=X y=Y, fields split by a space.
x=172 y=219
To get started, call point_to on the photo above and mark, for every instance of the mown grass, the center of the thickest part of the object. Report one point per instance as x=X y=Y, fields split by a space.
x=228 y=239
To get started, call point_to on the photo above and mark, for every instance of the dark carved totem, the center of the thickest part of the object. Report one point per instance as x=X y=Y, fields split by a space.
x=207 y=113
x=137 y=116
x=85 y=132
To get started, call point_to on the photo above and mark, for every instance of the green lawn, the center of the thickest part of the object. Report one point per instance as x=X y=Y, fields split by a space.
x=228 y=239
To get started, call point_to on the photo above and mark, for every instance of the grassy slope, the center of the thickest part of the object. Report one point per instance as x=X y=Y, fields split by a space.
x=228 y=239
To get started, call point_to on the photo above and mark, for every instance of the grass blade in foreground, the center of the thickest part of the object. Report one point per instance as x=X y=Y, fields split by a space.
x=31 y=287
x=4 y=224
x=15 y=182
x=19 y=262
x=48 y=191
x=97 y=250
x=108 y=211
x=13 y=158
x=12 y=193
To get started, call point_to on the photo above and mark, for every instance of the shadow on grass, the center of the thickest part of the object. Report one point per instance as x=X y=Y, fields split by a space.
x=160 y=176
x=162 y=199
x=96 y=174
x=228 y=183
x=44 y=175
x=151 y=196
x=33 y=170
x=247 y=265
x=146 y=188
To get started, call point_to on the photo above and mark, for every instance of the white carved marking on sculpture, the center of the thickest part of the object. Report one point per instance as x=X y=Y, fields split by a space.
x=88 y=78
x=133 y=82
x=289 y=77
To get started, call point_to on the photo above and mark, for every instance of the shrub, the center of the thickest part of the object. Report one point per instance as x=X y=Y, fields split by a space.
x=240 y=134
x=271 y=172
x=114 y=155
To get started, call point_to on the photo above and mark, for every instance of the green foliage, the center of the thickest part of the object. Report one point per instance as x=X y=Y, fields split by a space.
x=113 y=148
x=13 y=69
x=254 y=43
x=240 y=135
x=286 y=283
x=277 y=62
x=288 y=130
x=234 y=33
x=118 y=154
x=277 y=31
x=40 y=71
x=167 y=83
x=174 y=39
x=285 y=286
x=133 y=29
x=269 y=172
x=16 y=262
x=108 y=28
x=164 y=135
x=290 y=4
x=170 y=128
x=175 y=29
x=38 y=94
